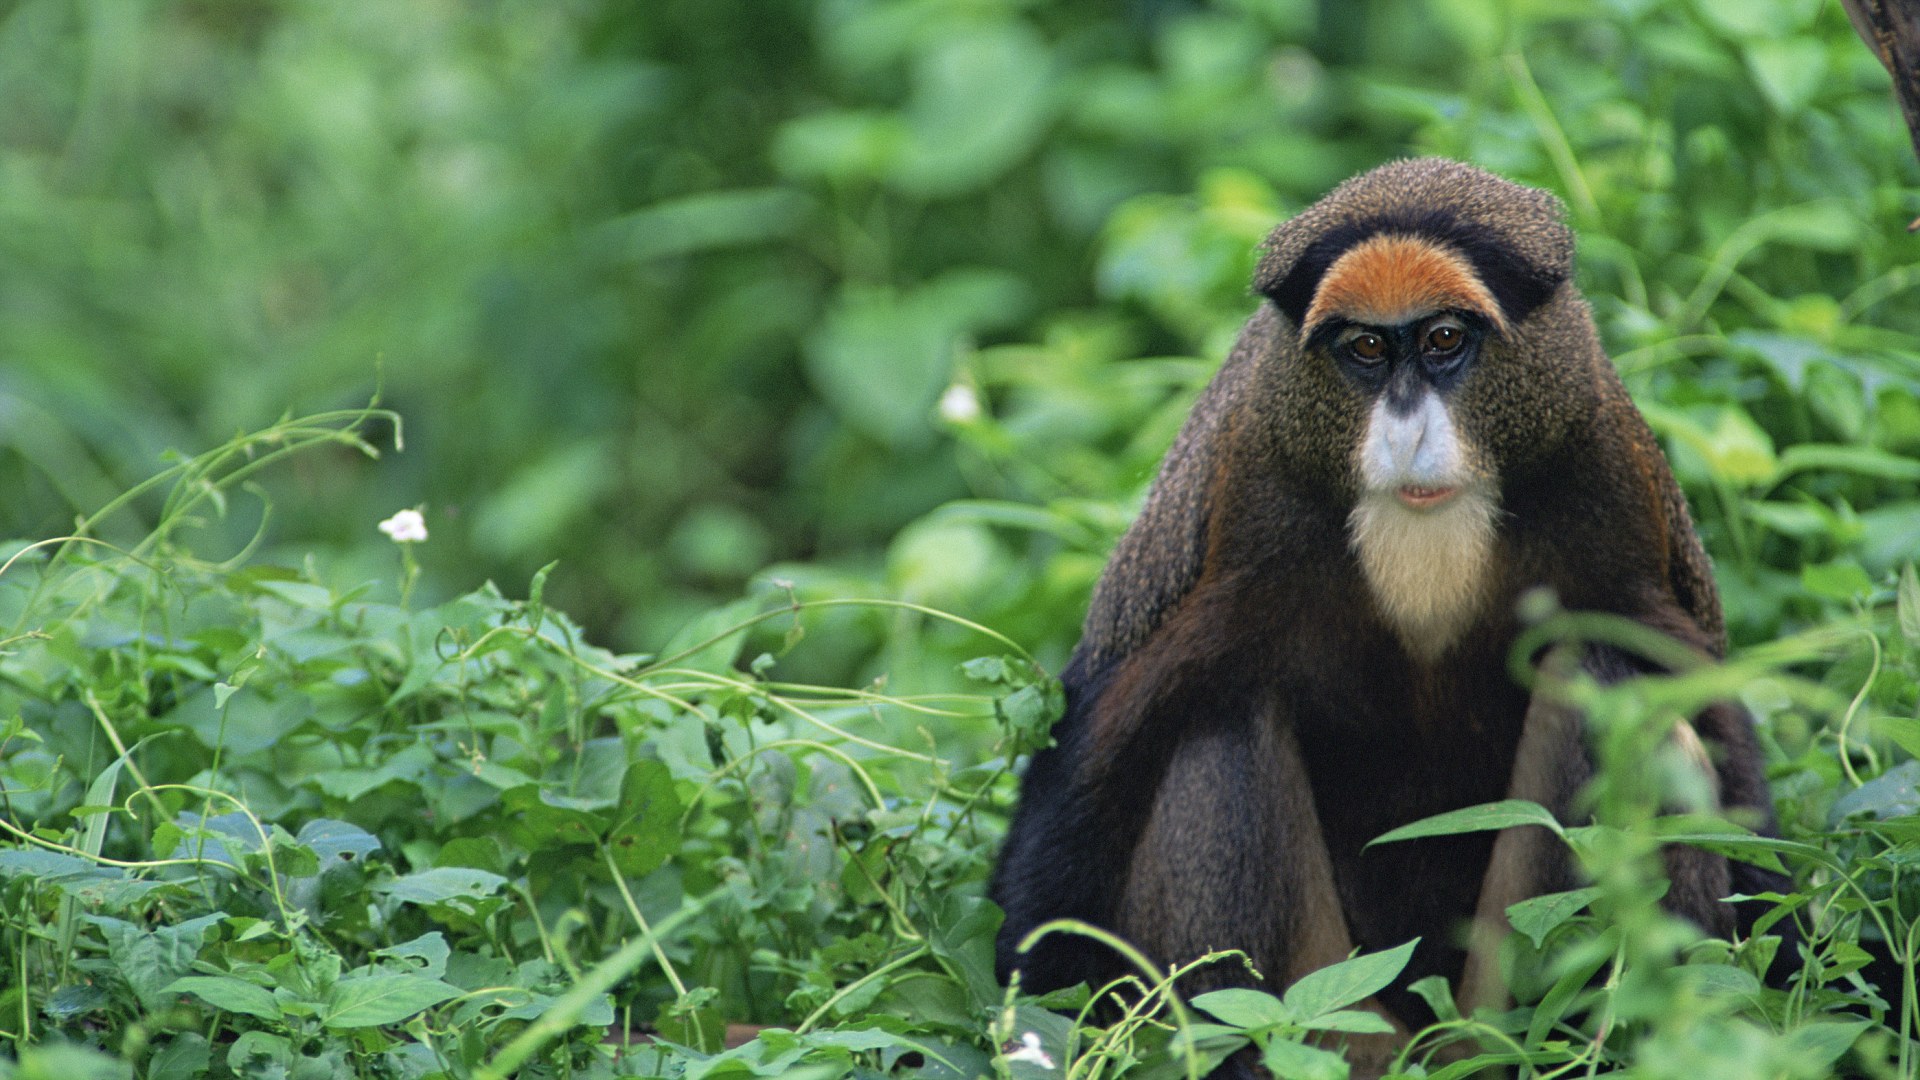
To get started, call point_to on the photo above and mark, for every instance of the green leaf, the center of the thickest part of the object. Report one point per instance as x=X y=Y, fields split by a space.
x=647 y=831
x=375 y=1000
x=982 y=97
x=226 y=992
x=1438 y=995
x=1346 y=982
x=1904 y=732
x=1893 y=794
x=48 y=865
x=1841 y=579
x=1859 y=460
x=442 y=884
x=1537 y=917
x=1246 y=1009
x=1505 y=814
x=881 y=356
x=1788 y=71
x=337 y=842
x=1823 y=1041
x=151 y=960
x=1723 y=837
x=183 y=1057
x=1719 y=980
x=1351 y=1021
x=705 y=222
x=1297 y=1061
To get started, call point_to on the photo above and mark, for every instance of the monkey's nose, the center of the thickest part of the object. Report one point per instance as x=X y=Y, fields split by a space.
x=1405 y=436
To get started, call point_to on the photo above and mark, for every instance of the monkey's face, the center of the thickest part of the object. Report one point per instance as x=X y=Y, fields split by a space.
x=1405 y=322
x=1422 y=350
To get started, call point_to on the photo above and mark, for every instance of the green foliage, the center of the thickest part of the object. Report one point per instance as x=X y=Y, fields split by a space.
x=302 y=830
x=744 y=311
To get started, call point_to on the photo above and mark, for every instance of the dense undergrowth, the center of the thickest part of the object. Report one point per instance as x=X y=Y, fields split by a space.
x=758 y=310
x=256 y=825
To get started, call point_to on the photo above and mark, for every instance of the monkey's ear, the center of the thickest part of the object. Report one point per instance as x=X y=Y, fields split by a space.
x=1516 y=237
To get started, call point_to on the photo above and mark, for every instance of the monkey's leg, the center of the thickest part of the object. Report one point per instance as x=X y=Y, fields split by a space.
x=1233 y=856
x=1550 y=766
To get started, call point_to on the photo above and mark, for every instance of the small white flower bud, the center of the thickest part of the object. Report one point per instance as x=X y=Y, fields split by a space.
x=405 y=527
x=959 y=405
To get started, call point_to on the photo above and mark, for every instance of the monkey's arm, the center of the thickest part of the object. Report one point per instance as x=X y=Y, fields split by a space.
x=1162 y=555
x=1552 y=764
x=1175 y=811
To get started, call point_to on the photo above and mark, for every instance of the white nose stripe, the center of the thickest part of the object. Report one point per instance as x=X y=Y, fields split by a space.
x=1419 y=447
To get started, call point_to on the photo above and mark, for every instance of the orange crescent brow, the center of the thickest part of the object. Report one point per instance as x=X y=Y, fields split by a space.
x=1388 y=280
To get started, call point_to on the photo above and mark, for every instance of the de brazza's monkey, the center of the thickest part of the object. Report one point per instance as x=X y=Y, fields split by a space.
x=1302 y=642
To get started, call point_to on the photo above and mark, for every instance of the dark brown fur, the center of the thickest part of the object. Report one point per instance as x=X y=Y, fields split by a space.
x=1241 y=721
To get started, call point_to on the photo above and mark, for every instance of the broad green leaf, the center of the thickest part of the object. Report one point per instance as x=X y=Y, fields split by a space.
x=183 y=1057
x=1904 y=731
x=425 y=955
x=880 y=357
x=1346 y=982
x=1506 y=814
x=1538 y=916
x=1246 y=1009
x=71 y=1002
x=226 y=992
x=1351 y=1021
x=443 y=883
x=1841 y=579
x=1823 y=1041
x=536 y=821
x=982 y=96
x=150 y=960
x=1893 y=794
x=376 y=1000
x=1788 y=71
x=47 y=865
x=337 y=841
x=647 y=830
x=276 y=1051
x=1297 y=1061
x=1719 y=980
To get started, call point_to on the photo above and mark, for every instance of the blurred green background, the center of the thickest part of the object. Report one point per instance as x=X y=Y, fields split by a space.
x=894 y=297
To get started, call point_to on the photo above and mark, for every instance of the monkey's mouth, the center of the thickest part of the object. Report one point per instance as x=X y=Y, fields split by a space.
x=1424 y=498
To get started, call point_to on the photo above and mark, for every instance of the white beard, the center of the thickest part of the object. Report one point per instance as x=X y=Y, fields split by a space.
x=1428 y=569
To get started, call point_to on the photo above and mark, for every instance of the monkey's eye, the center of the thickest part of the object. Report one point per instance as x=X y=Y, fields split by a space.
x=1368 y=347
x=1444 y=338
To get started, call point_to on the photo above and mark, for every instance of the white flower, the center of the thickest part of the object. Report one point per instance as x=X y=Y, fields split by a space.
x=959 y=405
x=1030 y=1051
x=405 y=527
